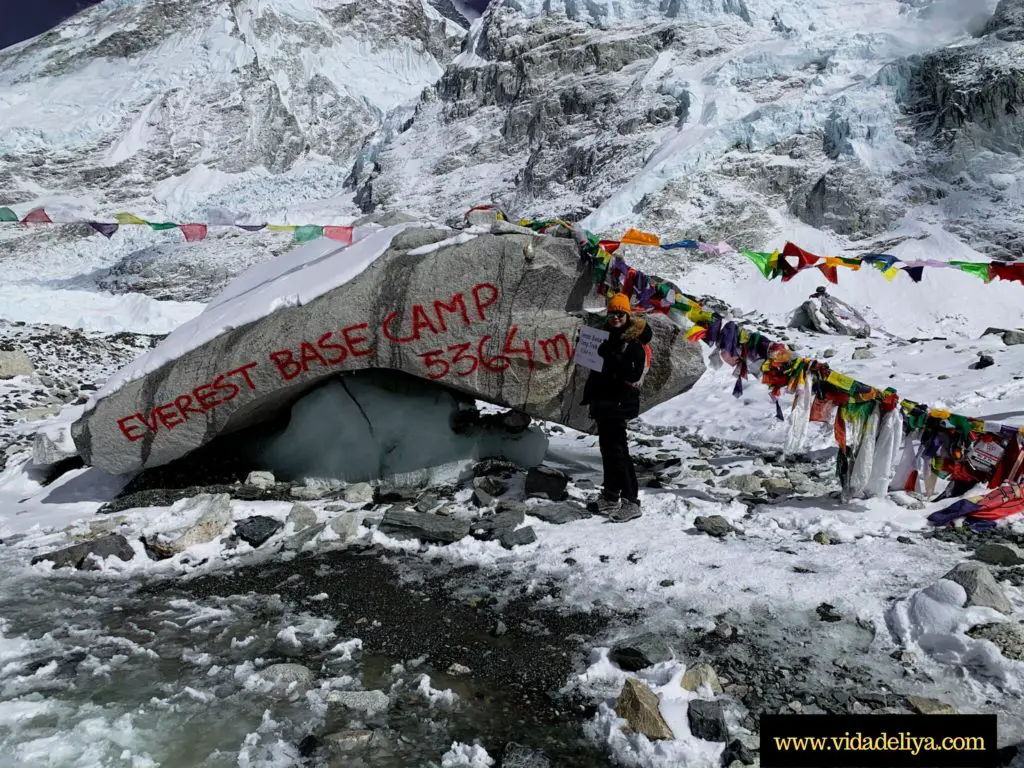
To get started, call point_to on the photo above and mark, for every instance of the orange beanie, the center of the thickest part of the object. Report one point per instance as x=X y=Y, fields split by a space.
x=619 y=303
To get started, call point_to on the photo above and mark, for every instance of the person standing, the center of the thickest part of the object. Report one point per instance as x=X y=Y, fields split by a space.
x=613 y=394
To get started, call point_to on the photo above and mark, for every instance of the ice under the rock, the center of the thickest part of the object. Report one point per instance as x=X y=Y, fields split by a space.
x=365 y=427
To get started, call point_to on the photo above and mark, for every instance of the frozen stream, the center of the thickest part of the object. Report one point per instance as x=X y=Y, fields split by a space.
x=101 y=672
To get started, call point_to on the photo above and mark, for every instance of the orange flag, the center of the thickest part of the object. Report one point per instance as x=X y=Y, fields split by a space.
x=636 y=237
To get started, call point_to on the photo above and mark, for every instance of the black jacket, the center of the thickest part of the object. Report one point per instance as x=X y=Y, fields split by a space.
x=610 y=392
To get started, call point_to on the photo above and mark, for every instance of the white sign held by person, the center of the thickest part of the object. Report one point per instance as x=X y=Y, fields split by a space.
x=586 y=348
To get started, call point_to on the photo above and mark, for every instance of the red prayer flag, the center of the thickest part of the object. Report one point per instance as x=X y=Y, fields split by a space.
x=610 y=246
x=37 y=216
x=341 y=234
x=806 y=258
x=830 y=273
x=193 y=232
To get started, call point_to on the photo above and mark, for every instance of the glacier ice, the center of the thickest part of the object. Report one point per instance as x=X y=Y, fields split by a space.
x=382 y=424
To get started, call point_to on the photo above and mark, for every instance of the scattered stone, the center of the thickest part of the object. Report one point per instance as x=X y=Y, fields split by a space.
x=984 y=361
x=822 y=538
x=359 y=493
x=216 y=516
x=301 y=516
x=80 y=555
x=346 y=526
x=548 y=482
x=518 y=537
x=48 y=452
x=434 y=529
x=15 y=363
x=640 y=652
x=310 y=492
x=906 y=501
x=638 y=706
x=863 y=354
x=495 y=526
x=370 y=702
x=302 y=538
x=980 y=586
x=744 y=483
x=261 y=479
x=427 y=503
x=499 y=467
x=829 y=353
x=777 y=485
x=904 y=540
x=827 y=612
x=698 y=675
x=995 y=553
x=926 y=706
x=288 y=678
x=500 y=628
x=736 y=751
x=346 y=741
x=1009 y=638
x=712 y=525
x=458 y=670
x=256 y=530
x=560 y=513
x=707 y=720
x=518 y=756
x=486 y=488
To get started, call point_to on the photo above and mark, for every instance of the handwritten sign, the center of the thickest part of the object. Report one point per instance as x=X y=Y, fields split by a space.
x=586 y=349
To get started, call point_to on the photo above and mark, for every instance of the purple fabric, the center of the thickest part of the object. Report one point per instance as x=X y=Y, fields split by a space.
x=947 y=515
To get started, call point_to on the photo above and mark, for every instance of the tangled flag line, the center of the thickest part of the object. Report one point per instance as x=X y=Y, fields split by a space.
x=784 y=264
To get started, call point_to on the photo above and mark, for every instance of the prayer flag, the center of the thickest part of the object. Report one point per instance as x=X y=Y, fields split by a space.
x=636 y=237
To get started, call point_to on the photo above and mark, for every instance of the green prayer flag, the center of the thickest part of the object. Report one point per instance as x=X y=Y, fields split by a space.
x=978 y=269
x=761 y=261
x=308 y=232
x=960 y=423
x=160 y=226
x=6 y=214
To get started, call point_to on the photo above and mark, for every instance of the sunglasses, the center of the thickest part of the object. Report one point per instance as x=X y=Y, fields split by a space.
x=618 y=314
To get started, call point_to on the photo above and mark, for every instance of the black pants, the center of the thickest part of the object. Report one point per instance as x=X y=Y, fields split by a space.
x=619 y=473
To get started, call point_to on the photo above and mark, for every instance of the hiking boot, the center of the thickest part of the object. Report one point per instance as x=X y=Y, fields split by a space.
x=604 y=506
x=630 y=510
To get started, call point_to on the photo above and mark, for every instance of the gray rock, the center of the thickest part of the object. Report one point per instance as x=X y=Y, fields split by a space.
x=301 y=517
x=980 y=586
x=925 y=706
x=1007 y=636
x=15 y=363
x=1013 y=338
x=491 y=485
x=712 y=525
x=432 y=529
x=737 y=751
x=288 y=678
x=707 y=720
x=215 y=517
x=346 y=741
x=777 y=485
x=518 y=756
x=559 y=513
x=46 y=452
x=822 y=538
x=358 y=493
x=518 y=537
x=78 y=555
x=984 y=361
x=997 y=553
x=638 y=705
x=302 y=538
x=346 y=526
x=744 y=483
x=863 y=354
x=261 y=479
x=640 y=652
x=471 y=292
x=256 y=530
x=310 y=492
x=698 y=675
x=548 y=482
x=370 y=702
x=497 y=525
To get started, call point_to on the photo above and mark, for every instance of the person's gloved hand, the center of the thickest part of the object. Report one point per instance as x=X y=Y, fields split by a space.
x=605 y=348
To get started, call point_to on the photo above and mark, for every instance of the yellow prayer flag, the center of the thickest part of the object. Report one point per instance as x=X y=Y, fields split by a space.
x=841 y=381
x=128 y=218
x=636 y=237
x=890 y=273
x=938 y=413
x=282 y=227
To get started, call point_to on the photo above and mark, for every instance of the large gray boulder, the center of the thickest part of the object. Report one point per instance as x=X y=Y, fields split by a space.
x=493 y=314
